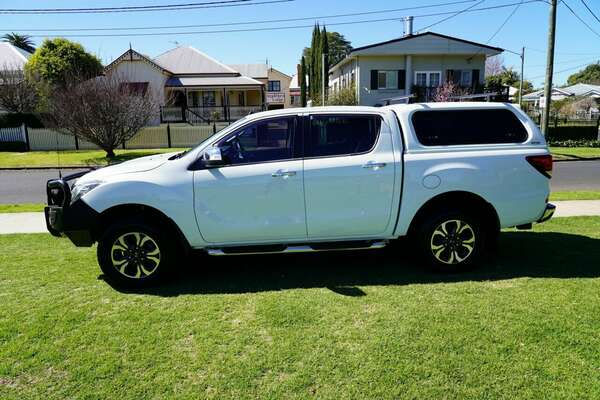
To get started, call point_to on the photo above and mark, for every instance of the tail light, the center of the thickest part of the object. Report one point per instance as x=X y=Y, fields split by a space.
x=542 y=163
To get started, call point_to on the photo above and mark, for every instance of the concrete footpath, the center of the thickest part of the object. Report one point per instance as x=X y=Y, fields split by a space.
x=35 y=223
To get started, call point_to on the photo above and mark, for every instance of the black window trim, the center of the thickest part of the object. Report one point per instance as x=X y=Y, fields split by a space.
x=297 y=133
x=306 y=132
x=476 y=145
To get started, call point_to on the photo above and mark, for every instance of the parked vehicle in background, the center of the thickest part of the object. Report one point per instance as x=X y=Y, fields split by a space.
x=447 y=175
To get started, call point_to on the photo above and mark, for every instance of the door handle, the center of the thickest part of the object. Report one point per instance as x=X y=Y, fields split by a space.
x=374 y=165
x=283 y=174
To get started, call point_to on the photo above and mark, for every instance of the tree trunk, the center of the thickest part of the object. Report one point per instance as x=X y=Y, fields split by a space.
x=110 y=153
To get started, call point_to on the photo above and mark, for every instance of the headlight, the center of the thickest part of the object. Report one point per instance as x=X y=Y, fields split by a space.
x=81 y=189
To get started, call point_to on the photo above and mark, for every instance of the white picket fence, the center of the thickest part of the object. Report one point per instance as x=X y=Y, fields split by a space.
x=13 y=134
x=151 y=137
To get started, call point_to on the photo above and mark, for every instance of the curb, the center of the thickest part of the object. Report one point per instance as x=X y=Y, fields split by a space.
x=50 y=168
x=578 y=159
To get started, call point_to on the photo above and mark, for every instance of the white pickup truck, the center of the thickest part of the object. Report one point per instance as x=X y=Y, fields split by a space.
x=447 y=175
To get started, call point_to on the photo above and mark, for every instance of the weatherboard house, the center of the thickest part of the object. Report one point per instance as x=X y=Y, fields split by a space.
x=412 y=66
x=194 y=87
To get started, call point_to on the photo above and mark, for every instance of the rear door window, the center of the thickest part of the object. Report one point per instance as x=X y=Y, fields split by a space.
x=468 y=127
x=335 y=135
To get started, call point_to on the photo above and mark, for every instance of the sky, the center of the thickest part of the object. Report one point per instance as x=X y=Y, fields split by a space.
x=576 y=44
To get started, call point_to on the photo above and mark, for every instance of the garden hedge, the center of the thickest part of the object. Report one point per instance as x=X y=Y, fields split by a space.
x=572 y=132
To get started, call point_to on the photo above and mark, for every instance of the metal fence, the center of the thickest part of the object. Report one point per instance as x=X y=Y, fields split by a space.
x=152 y=137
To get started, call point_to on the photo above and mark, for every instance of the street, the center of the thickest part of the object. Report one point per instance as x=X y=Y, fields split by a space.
x=28 y=186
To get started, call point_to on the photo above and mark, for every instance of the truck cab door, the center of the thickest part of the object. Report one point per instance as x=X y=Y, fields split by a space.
x=257 y=195
x=349 y=176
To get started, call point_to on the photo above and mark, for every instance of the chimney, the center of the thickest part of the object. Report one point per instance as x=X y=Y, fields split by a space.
x=408 y=29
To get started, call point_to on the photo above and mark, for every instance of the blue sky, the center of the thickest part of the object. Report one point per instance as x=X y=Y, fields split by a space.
x=575 y=45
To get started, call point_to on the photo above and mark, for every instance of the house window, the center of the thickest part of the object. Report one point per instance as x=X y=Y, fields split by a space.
x=428 y=78
x=241 y=99
x=209 y=99
x=466 y=77
x=387 y=79
x=274 y=86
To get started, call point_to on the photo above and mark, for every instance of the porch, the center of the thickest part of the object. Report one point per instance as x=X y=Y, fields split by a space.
x=196 y=104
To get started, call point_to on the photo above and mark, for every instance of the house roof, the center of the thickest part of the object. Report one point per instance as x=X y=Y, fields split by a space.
x=132 y=55
x=579 y=89
x=252 y=70
x=209 y=81
x=188 y=60
x=447 y=45
x=12 y=56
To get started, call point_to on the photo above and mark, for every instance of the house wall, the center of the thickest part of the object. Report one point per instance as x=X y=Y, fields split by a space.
x=363 y=65
x=141 y=71
x=275 y=75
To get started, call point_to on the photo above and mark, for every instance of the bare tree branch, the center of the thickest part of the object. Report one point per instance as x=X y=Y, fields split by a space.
x=17 y=94
x=106 y=111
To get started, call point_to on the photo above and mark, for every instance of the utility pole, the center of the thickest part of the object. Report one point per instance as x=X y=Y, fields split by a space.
x=549 y=67
x=521 y=82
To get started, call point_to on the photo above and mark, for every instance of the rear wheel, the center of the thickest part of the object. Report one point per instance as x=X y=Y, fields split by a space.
x=135 y=254
x=451 y=241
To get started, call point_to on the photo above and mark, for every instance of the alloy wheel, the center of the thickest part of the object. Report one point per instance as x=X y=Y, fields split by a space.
x=135 y=255
x=453 y=241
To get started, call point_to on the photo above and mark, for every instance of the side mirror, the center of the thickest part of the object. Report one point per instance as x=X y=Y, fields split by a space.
x=212 y=158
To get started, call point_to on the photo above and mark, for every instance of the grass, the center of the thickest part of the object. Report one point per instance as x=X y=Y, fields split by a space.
x=329 y=325
x=24 y=207
x=576 y=195
x=575 y=153
x=71 y=158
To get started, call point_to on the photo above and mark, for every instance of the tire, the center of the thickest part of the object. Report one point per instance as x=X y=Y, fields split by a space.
x=135 y=254
x=444 y=250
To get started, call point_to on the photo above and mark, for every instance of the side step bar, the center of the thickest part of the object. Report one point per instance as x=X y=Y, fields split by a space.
x=308 y=248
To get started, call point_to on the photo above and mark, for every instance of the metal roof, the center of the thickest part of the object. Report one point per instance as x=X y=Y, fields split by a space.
x=188 y=60
x=208 y=81
x=12 y=56
x=252 y=70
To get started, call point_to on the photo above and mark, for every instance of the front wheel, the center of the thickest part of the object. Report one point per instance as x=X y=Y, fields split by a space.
x=451 y=241
x=134 y=254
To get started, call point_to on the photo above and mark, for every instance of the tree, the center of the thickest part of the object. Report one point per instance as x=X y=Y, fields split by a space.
x=302 y=79
x=449 y=91
x=325 y=60
x=590 y=74
x=17 y=94
x=23 y=42
x=106 y=111
x=494 y=65
x=343 y=97
x=339 y=47
x=59 y=59
x=314 y=75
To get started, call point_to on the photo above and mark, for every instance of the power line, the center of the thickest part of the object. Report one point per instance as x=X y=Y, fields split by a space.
x=451 y=16
x=505 y=22
x=166 y=7
x=579 y=18
x=246 y=22
x=567 y=69
x=590 y=10
x=276 y=28
x=563 y=54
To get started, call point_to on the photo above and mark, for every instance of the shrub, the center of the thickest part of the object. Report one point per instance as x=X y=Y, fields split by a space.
x=572 y=132
x=574 y=143
x=13 y=146
x=13 y=120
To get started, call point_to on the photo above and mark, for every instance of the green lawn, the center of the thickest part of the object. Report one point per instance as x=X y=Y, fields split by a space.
x=576 y=195
x=575 y=153
x=71 y=158
x=331 y=325
x=18 y=208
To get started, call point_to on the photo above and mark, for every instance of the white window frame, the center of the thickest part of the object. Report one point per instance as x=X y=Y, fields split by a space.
x=428 y=77
x=387 y=72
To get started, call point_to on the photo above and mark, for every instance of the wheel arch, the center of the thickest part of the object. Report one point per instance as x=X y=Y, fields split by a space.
x=146 y=213
x=462 y=200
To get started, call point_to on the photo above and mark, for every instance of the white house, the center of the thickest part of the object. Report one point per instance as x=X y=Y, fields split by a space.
x=412 y=65
x=12 y=58
x=190 y=85
x=578 y=90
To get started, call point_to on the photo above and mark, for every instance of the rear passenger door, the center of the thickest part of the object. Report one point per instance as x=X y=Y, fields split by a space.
x=349 y=175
